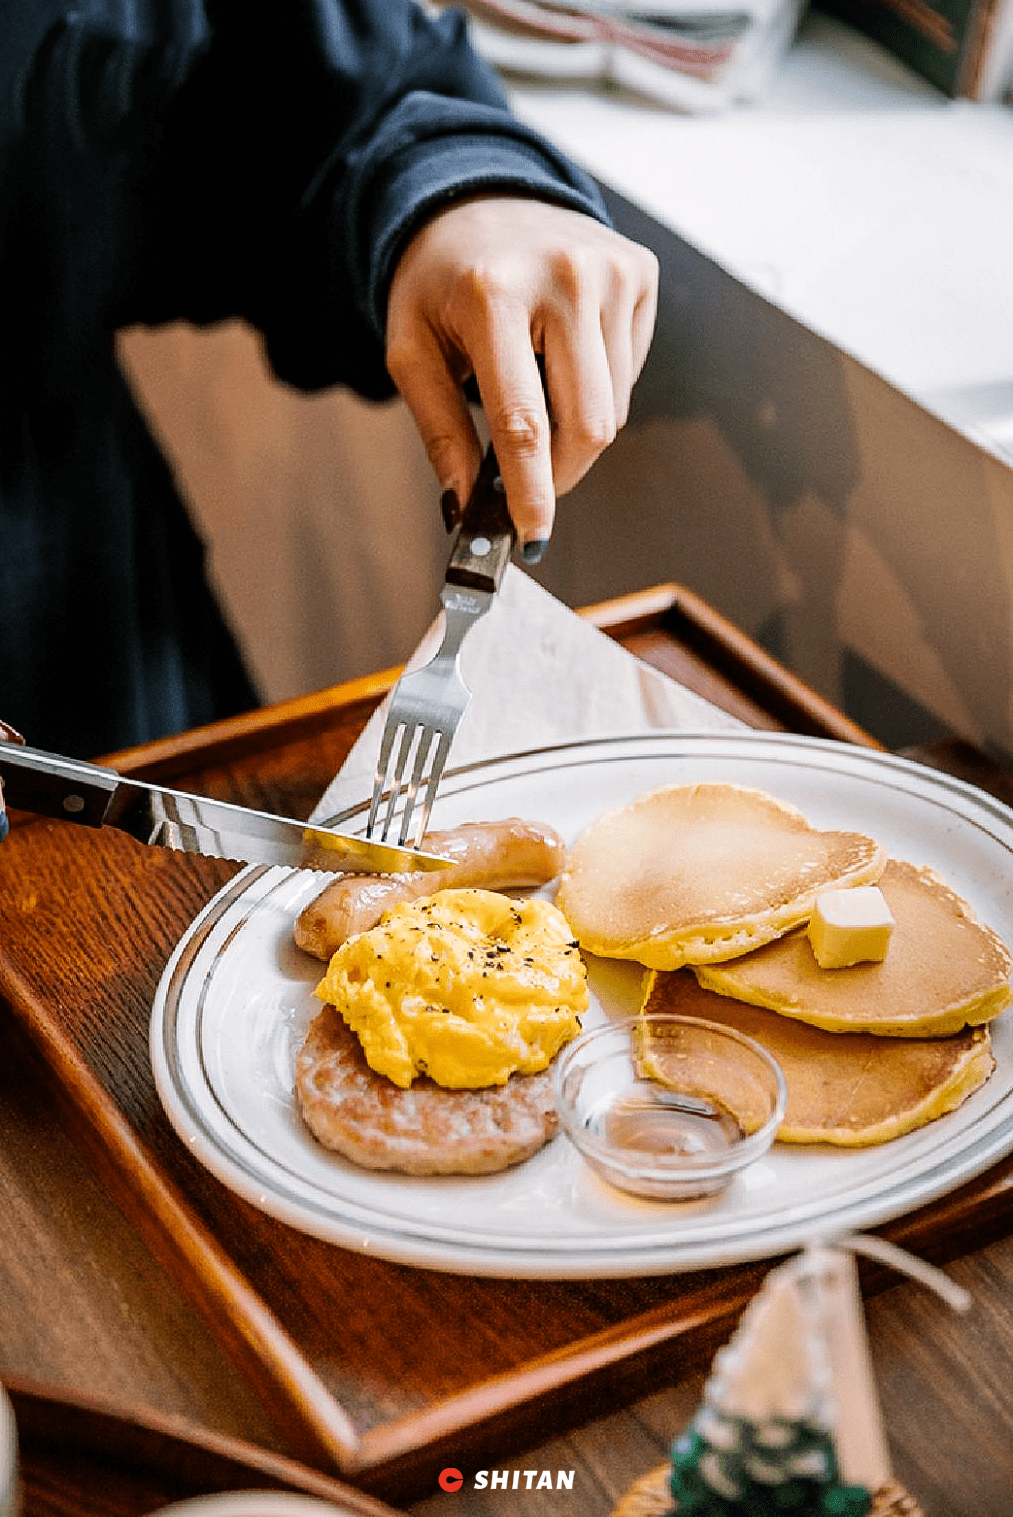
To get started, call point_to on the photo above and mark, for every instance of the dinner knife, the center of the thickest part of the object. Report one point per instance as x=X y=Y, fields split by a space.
x=50 y=785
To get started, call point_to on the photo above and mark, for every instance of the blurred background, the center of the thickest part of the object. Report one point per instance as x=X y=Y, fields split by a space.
x=820 y=443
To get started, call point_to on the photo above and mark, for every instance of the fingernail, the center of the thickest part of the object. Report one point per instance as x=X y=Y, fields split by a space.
x=450 y=507
x=4 y=825
x=534 y=551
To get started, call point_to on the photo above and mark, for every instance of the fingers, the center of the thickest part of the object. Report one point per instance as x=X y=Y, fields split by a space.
x=490 y=287
x=8 y=734
x=515 y=411
x=582 y=378
x=430 y=388
x=481 y=327
x=594 y=362
x=645 y=310
x=514 y=401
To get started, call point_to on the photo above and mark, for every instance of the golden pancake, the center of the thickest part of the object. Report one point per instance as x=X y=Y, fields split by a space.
x=942 y=971
x=850 y=1089
x=692 y=873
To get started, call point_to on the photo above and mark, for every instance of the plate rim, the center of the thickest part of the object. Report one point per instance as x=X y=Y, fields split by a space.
x=620 y=1258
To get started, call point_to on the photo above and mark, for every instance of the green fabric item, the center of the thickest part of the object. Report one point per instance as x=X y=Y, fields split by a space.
x=731 y=1467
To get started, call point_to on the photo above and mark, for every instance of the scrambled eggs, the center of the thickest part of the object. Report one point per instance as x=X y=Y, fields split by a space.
x=465 y=986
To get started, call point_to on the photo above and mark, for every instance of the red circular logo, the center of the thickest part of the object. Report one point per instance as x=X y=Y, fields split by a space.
x=451 y=1480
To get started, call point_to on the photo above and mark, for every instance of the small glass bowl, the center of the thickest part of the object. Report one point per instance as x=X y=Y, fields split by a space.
x=669 y=1107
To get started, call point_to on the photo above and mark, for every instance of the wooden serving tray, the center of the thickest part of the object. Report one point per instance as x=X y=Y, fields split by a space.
x=76 y=1455
x=378 y=1372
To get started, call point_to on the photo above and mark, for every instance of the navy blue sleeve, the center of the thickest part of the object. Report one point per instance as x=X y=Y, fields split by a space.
x=275 y=169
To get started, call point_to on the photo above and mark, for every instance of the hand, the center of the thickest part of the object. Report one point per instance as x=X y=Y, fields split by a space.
x=7 y=735
x=488 y=287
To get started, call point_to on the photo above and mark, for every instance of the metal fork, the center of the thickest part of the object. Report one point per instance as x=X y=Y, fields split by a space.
x=427 y=704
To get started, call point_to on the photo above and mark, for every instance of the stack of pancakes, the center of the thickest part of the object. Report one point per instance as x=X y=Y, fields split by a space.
x=711 y=887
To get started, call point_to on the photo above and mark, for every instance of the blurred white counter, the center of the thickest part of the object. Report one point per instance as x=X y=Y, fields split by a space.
x=853 y=195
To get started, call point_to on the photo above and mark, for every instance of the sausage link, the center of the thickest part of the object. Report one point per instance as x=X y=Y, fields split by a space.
x=485 y=855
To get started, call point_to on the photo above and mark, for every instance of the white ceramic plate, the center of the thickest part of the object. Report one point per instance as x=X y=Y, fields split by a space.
x=255 y=1504
x=236 y=999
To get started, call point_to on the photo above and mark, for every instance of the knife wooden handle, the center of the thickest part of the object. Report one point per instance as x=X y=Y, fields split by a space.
x=486 y=536
x=53 y=786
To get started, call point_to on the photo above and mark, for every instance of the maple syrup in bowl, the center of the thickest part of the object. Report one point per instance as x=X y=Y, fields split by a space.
x=669 y=1107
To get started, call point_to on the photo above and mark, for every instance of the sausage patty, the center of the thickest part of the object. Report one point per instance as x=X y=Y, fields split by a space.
x=425 y=1130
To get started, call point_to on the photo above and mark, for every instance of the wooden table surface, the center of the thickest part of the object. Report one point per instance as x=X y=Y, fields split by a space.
x=92 y=1324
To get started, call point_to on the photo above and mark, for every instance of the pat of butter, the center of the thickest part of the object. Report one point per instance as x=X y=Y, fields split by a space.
x=851 y=926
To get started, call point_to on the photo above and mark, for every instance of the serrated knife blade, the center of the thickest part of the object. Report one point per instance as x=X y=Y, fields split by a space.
x=51 y=785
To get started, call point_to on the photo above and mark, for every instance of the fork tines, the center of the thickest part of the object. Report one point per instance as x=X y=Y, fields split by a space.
x=426 y=749
x=427 y=704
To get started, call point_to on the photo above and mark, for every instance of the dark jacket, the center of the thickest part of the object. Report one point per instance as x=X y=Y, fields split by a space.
x=160 y=159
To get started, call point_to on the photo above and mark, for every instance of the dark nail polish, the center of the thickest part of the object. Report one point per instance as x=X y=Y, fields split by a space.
x=450 y=508
x=534 y=551
x=4 y=825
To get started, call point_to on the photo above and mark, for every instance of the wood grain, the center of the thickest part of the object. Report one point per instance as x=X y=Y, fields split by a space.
x=353 y=1386
x=143 y=1462
x=87 y=922
x=943 y=1382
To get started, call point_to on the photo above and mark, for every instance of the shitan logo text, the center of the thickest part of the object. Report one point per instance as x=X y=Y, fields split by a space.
x=509 y=1480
